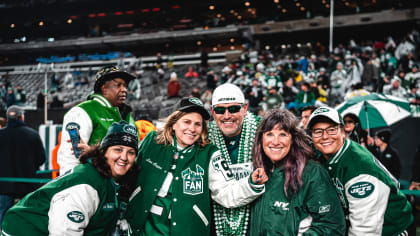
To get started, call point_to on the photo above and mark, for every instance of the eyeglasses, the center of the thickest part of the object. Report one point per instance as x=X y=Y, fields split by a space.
x=232 y=109
x=330 y=131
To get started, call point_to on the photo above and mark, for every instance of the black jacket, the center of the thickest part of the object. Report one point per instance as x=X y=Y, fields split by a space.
x=22 y=152
x=390 y=159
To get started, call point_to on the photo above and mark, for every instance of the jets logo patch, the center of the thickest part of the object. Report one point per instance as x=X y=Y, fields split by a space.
x=76 y=216
x=361 y=189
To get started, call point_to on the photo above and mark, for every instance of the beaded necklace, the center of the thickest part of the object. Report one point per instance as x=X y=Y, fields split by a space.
x=234 y=221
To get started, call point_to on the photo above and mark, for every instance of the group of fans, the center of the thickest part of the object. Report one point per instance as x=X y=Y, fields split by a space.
x=238 y=174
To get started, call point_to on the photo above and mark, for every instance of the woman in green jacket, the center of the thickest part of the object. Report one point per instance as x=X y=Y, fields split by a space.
x=172 y=195
x=85 y=200
x=299 y=198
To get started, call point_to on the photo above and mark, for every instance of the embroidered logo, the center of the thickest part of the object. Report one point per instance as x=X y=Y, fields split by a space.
x=110 y=206
x=76 y=216
x=324 y=209
x=321 y=110
x=130 y=129
x=280 y=206
x=195 y=101
x=361 y=189
x=193 y=181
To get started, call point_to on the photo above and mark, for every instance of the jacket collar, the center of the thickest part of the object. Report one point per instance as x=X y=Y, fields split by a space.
x=336 y=158
x=14 y=123
x=101 y=99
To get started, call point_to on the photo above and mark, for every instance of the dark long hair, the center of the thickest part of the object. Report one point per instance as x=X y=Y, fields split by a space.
x=300 y=151
x=97 y=157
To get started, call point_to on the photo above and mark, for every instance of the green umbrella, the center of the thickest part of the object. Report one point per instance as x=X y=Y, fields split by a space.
x=376 y=110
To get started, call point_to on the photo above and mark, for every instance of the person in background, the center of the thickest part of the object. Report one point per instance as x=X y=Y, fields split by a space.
x=94 y=116
x=305 y=97
x=254 y=94
x=85 y=201
x=415 y=178
x=387 y=154
x=22 y=152
x=174 y=86
x=299 y=196
x=273 y=100
x=20 y=95
x=369 y=195
x=191 y=73
x=3 y=122
x=395 y=89
x=305 y=113
x=195 y=92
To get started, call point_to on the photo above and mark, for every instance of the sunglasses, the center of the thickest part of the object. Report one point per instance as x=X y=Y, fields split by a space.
x=232 y=109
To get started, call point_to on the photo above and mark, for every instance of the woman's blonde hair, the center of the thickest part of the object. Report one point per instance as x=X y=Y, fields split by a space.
x=165 y=136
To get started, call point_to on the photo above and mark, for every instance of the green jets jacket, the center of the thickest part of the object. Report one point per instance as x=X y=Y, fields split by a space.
x=314 y=210
x=171 y=193
x=369 y=194
x=80 y=202
x=93 y=118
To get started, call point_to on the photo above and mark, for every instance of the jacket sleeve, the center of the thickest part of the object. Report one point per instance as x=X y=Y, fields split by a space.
x=326 y=216
x=71 y=210
x=225 y=189
x=65 y=157
x=367 y=197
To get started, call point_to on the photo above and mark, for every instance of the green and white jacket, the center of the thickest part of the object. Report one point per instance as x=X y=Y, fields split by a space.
x=314 y=210
x=80 y=202
x=93 y=118
x=171 y=196
x=369 y=194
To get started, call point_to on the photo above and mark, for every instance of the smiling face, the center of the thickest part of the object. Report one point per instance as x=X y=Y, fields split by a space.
x=120 y=159
x=276 y=143
x=115 y=91
x=188 y=129
x=328 y=144
x=230 y=123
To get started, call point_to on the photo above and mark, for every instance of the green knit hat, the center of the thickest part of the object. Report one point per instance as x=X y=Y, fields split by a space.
x=120 y=133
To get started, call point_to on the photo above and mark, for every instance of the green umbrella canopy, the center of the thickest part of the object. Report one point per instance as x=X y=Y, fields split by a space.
x=376 y=110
